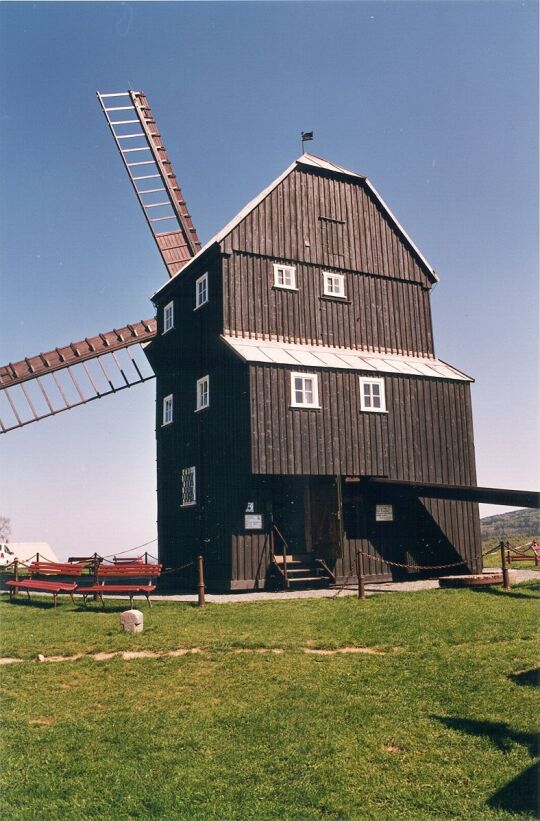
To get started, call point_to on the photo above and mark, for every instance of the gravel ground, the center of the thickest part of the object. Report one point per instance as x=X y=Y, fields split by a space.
x=371 y=589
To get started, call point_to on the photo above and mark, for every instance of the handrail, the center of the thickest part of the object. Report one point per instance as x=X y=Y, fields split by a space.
x=330 y=572
x=285 y=547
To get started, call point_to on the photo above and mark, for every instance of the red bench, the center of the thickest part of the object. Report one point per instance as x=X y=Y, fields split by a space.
x=42 y=586
x=135 y=570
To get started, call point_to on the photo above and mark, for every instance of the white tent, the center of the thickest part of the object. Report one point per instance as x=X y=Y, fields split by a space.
x=25 y=551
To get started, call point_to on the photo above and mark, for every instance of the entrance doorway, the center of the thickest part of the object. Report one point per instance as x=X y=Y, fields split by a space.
x=324 y=519
x=308 y=512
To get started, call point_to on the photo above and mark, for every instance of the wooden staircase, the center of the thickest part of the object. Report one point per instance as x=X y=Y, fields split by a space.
x=301 y=571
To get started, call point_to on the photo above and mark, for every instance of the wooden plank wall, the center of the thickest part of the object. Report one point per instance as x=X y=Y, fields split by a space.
x=425 y=436
x=379 y=313
x=287 y=225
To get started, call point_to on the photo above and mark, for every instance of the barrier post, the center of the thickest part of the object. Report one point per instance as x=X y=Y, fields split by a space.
x=95 y=567
x=506 y=577
x=200 y=567
x=146 y=557
x=360 y=574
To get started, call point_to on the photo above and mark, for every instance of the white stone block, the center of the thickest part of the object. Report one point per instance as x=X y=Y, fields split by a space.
x=132 y=621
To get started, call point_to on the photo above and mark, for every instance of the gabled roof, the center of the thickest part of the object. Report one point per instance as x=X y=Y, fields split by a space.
x=296 y=355
x=310 y=161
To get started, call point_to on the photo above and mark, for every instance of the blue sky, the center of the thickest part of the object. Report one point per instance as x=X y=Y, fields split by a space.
x=436 y=102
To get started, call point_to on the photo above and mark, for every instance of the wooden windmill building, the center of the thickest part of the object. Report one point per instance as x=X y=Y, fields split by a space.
x=301 y=409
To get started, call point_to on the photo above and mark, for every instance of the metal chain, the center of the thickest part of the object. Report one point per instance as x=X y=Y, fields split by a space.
x=413 y=566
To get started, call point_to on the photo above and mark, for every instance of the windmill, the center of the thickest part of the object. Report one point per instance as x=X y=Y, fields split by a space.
x=74 y=374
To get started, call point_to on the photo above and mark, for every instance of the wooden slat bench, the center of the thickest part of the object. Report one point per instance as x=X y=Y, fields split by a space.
x=136 y=570
x=44 y=586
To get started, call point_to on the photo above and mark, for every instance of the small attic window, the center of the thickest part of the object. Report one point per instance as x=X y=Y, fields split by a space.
x=285 y=277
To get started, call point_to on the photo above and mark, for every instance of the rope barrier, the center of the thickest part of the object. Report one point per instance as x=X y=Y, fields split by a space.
x=129 y=549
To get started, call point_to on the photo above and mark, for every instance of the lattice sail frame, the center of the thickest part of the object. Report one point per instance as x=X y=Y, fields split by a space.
x=49 y=383
x=62 y=379
x=151 y=174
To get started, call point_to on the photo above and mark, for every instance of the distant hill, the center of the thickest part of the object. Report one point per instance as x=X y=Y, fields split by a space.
x=525 y=522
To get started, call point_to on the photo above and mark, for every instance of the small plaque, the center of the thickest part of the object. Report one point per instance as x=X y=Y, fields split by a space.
x=250 y=507
x=253 y=521
x=384 y=513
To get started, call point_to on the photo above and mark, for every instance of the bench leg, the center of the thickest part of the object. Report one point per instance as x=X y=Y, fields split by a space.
x=55 y=597
x=102 y=600
x=148 y=600
x=28 y=594
x=72 y=598
x=131 y=602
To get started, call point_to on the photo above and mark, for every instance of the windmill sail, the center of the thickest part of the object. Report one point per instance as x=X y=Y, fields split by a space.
x=148 y=166
x=52 y=382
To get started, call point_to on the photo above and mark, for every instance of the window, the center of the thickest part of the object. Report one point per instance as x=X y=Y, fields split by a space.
x=167 y=409
x=372 y=396
x=189 y=494
x=285 y=277
x=168 y=317
x=304 y=391
x=203 y=393
x=334 y=284
x=201 y=291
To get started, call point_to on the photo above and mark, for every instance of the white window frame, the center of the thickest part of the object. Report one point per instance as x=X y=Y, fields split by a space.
x=168 y=316
x=168 y=410
x=201 y=393
x=371 y=380
x=200 y=284
x=185 y=473
x=285 y=272
x=329 y=279
x=315 y=390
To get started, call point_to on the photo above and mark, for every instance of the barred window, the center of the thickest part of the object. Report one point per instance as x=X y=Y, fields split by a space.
x=189 y=495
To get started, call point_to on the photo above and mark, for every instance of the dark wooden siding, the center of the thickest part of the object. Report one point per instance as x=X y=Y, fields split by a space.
x=292 y=223
x=379 y=313
x=426 y=532
x=425 y=436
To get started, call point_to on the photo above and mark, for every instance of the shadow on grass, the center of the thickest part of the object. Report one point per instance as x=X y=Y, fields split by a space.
x=521 y=794
x=37 y=604
x=528 y=678
x=514 y=593
x=501 y=734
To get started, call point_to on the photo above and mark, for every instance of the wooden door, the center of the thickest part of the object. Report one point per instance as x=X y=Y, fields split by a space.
x=326 y=517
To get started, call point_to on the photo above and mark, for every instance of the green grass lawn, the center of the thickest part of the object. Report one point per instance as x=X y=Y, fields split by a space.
x=441 y=725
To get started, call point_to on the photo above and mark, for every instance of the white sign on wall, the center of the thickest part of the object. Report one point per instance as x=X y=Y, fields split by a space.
x=253 y=521
x=384 y=513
